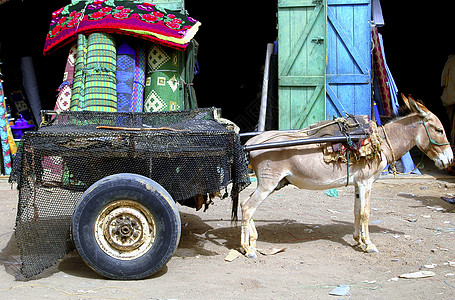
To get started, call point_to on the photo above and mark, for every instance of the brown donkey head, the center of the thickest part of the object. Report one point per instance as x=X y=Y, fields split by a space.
x=431 y=139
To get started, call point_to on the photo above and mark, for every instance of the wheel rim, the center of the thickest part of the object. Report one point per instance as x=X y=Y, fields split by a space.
x=125 y=230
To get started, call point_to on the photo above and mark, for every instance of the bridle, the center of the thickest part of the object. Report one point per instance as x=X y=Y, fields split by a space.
x=432 y=142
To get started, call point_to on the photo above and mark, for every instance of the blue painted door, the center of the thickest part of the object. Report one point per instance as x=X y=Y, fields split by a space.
x=348 y=71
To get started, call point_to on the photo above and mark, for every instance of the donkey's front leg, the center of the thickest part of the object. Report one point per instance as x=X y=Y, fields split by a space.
x=249 y=234
x=362 y=215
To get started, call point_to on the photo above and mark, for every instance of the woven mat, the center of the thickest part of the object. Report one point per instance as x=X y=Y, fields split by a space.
x=94 y=86
x=162 y=83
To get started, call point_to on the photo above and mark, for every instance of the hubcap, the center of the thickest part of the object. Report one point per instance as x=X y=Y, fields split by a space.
x=125 y=229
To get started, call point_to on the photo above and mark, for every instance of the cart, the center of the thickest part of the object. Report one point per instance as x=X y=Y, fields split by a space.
x=107 y=184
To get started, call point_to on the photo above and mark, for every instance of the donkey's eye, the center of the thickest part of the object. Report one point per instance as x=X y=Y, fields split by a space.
x=440 y=131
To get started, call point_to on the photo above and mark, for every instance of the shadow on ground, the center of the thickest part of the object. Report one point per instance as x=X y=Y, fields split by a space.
x=196 y=234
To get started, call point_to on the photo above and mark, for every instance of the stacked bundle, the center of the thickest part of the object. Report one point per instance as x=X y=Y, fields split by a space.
x=100 y=77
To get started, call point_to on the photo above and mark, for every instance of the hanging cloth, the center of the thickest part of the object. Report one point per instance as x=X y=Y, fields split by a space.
x=30 y=85
x=191 y=60
x=381 y=73
x=162 y=84
x=393 y=89
x=4 y=133
x=376 y=12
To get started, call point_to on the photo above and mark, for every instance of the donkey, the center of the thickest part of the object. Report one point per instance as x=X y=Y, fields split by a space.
x=304 y=167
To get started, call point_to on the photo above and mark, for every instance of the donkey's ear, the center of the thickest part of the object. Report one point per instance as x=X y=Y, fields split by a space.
x=406 y=101
x=418 y=107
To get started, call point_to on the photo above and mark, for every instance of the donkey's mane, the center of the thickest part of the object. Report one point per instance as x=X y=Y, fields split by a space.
x=403 y=111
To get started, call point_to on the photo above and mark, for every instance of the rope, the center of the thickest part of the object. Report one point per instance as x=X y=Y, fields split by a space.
x=392 y=164
x=349 y=144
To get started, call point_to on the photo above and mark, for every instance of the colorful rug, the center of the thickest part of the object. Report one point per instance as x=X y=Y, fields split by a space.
x=130 y=75
x=100 y=82
x=125 y=76
x=77 y=96
x=133 y=18
x=64 y=91
x=162 y=84
x=137 y=98
x=4 y=133
x=95 y=82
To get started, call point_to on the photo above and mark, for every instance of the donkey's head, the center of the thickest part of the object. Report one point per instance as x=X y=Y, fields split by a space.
x=431 y=139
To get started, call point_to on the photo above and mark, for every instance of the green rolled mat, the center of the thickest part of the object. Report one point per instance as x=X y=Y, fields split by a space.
x=100 y=86
x=77 y=95
x=163 y=87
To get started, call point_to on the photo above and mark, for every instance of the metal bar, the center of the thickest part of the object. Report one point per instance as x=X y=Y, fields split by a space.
x=250 y=134
x=255 y=133
x=301 y=142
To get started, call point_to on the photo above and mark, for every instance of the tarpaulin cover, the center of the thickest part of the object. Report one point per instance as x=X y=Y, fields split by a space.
x=135 y=18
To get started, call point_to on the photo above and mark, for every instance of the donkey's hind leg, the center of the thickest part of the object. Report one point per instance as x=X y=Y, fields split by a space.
x=362 y=216
x=249 y=234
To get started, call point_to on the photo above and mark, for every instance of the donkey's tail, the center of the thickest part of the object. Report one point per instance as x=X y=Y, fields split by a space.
x=235 y=204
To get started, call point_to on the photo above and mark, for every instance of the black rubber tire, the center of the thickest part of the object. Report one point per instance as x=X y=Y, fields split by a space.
x=147 y=193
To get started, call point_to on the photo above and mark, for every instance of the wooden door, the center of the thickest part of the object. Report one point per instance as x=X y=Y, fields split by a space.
x=301 y=62
x=348 y=58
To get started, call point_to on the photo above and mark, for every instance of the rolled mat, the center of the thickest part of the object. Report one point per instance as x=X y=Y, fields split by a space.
x=125 y=76
x=162 y=83
x=94 y=86
x=100 y=90
x=64 y=91
x=77 y=96
x=137 y=98
x=31 y=87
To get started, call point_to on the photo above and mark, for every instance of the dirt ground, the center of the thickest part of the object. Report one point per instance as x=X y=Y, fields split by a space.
x=411 y=226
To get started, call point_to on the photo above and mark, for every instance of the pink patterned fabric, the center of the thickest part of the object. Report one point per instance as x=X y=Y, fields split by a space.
x=133 y=18
x=64 y=95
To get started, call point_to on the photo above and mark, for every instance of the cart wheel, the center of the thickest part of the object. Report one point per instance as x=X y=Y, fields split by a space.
x=126 y=226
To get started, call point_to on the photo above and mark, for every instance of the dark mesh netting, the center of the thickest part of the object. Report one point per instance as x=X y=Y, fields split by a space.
x=190 y=153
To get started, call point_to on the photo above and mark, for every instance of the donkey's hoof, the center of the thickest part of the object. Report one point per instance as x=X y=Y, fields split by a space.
x=371 y=249
x=251 y=254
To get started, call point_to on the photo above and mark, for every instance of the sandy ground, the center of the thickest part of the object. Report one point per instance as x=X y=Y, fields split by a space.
x=411 y=226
